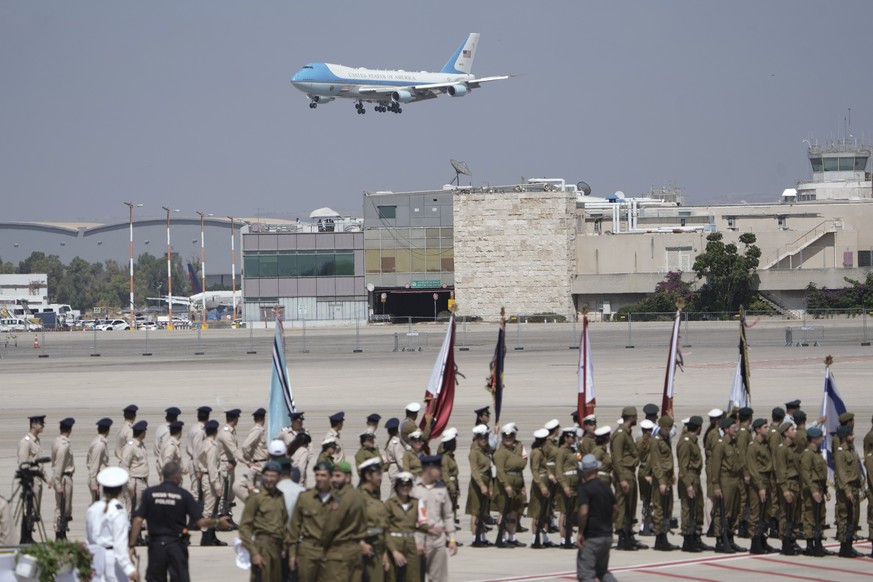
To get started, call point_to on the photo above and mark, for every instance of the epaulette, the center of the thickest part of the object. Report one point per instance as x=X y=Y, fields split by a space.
x=686 y=438
x=838 y=448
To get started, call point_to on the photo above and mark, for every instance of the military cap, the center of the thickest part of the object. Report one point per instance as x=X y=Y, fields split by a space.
x=343 y=466
x=112 y=477
x=847 y=417
x=104 y=422
x=68 y=422
x=432 y=460
x=629 y=411
x=141 y=426
x=414 y=435
x=784 y=427
x=413 y=407
x=569 y=429
x=259 y=413
x=374 y=418
x=603 y=430
x=130 y=408
x=727 y=421
x=552 y=424
x=370 y=464
x=746 y=412
x=296 y=416
x=695 y=421
x=211 y=425
x=449 y=434
x=483 y=411
x=323 y=466
x=650 y=409
x=392 y=423
x=284 y=462
x=403 y=478
x=647 y=424
x=715 y=413
x=40 y=418
x=665 y=421
x=176 y=425
x=480 y=430
x=337 y=418
x=367 y=436
x=328 y=442
x=794 y=404
x=799 y=416
x=575 y=416
x=277 y=448
x=204 y=409
x=173 y=411
x=778 y=412
x=590 y=419
x=758 y=423
x=686 y=420
x=541 y=433
x=274 y=466
x=844 y=431
x=814 y=432
x=232 y=413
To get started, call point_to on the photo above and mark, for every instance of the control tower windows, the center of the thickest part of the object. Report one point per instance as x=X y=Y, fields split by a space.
x=831 y=165
x=816 y=164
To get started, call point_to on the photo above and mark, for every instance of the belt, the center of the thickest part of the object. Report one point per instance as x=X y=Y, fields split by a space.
x=375 y=531
x=401 y=534
x=550 y=464
x=574 y=472
x=138 y=478
x=68 y=473
x=513 y=473
x=453 y=478
x=258 y=460
x=543 y=474
x=604 y=474
x=108 y=547
x=314 y=541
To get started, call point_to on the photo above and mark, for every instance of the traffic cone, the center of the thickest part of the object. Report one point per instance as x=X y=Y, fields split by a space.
x=36 y=342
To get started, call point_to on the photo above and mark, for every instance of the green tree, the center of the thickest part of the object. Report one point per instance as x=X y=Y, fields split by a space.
x=667 y=293
x=6 y=268
x=730 y=276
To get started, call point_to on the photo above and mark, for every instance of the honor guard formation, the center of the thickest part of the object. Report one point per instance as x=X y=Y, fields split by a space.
x=315 y=509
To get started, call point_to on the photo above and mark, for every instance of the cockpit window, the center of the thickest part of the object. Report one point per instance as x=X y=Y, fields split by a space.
x=307 y=66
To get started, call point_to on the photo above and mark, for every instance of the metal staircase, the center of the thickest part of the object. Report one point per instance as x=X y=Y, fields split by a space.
x=790 y=250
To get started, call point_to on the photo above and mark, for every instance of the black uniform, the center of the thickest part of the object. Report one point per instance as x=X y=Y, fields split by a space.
x=169 y=511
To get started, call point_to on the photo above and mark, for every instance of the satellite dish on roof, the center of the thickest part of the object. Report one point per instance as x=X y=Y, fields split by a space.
x=584 y=188
x=460 y=168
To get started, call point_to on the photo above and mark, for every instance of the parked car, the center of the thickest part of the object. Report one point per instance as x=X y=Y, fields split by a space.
x=113 y=325
x=149 y=325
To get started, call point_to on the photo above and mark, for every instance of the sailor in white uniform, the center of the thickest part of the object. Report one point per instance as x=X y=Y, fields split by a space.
x=107 y=524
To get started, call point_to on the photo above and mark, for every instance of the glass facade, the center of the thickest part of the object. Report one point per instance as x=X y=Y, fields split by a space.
x=409 y=250
x=272 y=264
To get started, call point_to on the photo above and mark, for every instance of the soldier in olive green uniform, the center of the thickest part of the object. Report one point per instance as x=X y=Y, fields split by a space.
x=509 y=493
x=586 y=443
x=328 y=452
x=567 y=473
x=406 y=527
x=786 y=468
x=690 y=461
x=550 y=451
x=847 y=480
x=63 y=468
x=479 y=491
x=601 y=453
x=710 y=437
x=744 y=437
x=538 y=504
x=814 y=487
x=774 y=439
x=375 y=562
x=644 y=476
x=727 y=476
x=868 y=469
x=411 y=458
x=663 y=479
x=451 y=473
x=625 y=459
x=368 y=449
x=760 y=467
x=410 y=422
x=263 y=529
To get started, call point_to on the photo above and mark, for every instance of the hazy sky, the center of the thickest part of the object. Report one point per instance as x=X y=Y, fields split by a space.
x=188 y=103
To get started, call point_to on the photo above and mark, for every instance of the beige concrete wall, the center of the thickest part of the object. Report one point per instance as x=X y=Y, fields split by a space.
x=514 y=250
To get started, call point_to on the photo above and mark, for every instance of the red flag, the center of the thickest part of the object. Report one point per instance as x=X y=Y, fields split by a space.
x=440 y=394
x=586 y=400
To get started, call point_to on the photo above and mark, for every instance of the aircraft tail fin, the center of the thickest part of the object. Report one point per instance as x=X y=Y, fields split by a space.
x=195 y=282
x=462 y=61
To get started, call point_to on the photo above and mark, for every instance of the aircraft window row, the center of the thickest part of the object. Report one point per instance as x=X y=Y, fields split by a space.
x=336 y=264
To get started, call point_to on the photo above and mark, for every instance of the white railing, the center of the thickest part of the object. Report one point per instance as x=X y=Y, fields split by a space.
x=792 y=248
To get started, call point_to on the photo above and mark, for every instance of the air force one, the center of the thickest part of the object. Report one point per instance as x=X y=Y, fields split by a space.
x=389 y=90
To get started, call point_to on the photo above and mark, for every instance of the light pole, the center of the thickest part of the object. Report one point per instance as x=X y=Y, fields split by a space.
x=130 y=206
x=169 y=272
x=232 y=270
x=203 y=215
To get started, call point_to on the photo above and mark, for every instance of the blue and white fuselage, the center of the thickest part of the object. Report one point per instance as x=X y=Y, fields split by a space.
x=389 y=89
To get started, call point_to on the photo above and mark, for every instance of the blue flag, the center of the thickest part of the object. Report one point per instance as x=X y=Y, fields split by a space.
x=832 y=407
x=281 y=399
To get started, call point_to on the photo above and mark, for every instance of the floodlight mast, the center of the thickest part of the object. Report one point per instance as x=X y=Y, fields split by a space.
x=460 y=168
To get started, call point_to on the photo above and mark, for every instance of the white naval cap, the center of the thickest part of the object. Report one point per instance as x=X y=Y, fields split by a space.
x=715 y=413
x=552 y=424
x=647 y=424
x=685 y=420
x=277 y=448
x=449 y=434
x=413 y=407
x=370 y=463
x=541 y=433
x=480 y=429
x=416 y=434
x=589 y=418
x=603 y=430
x=403 y=476
x=112 y=477
x=509 y=428
x=328 y=441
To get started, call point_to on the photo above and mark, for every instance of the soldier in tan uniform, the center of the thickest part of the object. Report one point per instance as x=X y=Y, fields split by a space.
x=231 y=455
x=786 y=468
x=29 y=449
x=760 y=466
x=586 y=443
x=479 y=490
x=98 y=456
x=568 y=483
x=288 y=434
x=689 y=459
x=134 y=461
x=254 y=452
x=125 y=430
x=368 y=448
x=394 y=449
x=264 y=530
x=171 y=448
x=63 y=468
x=162 y=432
x=644 y=475
x=336 y=427
x=813 y=478
x=410 y=422
x=209 y=465
x=509 y=492
x=774 y=439
x=195 y=438
x=301 y=455
x=728 y=467
x=439 y=539
x=744 y=437
x=625 y=460
x=847 y=481
x=373 y=425
x=663 y=480
x=710 y=437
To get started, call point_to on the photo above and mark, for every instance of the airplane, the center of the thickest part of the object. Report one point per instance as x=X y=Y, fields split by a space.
x=389 y=89
x=214 y=299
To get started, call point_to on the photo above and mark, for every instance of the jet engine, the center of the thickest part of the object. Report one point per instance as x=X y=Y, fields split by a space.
x=321 y=99
x=457 y=90
x=401 y=96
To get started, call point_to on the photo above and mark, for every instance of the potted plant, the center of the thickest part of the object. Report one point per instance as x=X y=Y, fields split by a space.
x=45 y=561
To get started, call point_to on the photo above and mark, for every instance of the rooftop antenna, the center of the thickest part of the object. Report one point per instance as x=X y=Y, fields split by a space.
x=460 y=168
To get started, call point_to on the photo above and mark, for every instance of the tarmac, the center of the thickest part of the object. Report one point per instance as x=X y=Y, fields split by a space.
x=214 y=367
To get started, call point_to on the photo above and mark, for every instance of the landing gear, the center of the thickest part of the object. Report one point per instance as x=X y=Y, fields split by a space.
x=360 y=107
x=313 y=105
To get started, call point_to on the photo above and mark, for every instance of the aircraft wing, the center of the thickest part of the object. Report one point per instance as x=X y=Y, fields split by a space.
x=428 y=91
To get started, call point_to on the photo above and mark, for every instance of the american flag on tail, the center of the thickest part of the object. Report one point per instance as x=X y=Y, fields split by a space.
x=585 y=400
x=281 y=398
x=674 y=360
x=439 y=397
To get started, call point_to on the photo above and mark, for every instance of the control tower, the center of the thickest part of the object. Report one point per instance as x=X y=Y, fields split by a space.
x=839 y=172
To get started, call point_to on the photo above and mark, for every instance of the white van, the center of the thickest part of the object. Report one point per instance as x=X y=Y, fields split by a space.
x=13 y=324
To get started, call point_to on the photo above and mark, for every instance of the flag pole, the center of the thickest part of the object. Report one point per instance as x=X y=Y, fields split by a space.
x=496 y=379
x=674 y=359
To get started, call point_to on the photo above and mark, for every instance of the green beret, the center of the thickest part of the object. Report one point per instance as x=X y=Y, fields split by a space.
x=784 y=427
x=695 y=421
x=758 y=423
x=847 y=417
x=628 y=411
x=746 y=412
x=799 y=416
x=727 y=421
x=845 y=431
x=665 y=421
x=778 y=413
x=343 y=466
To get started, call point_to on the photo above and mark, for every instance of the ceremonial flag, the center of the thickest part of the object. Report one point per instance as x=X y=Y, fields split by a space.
x=440 y=395
x=832 y=407
x=585 y=400
x=495 y=379
x=281 y=399
x=741 y=391
x=674 y=360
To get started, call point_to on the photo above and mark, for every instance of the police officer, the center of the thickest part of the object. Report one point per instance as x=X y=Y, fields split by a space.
x=663 y=479
x=336 y=427
x=162 y=432
x=125 y=431
x=760 y=467
x=171 y=448
x=98 y=456
x=263 y=528
x=727 y=477
x=813 y=478
x=63 y=468
x=107 y=525
x=394 y=449
x=439 y=539
x=134 y=461
x=209 y=465
x=170 y=512
x=479 y=489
